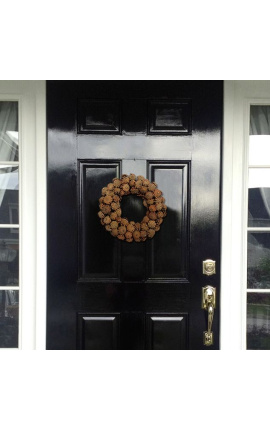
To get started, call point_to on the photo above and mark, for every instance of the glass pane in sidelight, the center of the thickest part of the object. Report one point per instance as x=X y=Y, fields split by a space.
x=9 y=139
x=259 y=197
x=9 y=195
x=258 y=262
x=9 y=257
x=258 y=321
x=9 y=317
x=259 y=120
x=259 y=150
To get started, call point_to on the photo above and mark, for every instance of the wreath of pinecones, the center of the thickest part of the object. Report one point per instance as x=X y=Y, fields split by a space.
x=110 y=209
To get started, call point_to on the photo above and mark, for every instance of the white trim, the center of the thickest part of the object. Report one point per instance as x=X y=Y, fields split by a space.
x=259 y=166
x=9 y=225
x=10 y=163
x=258 y=290
x=255 y=229
x=41 y=216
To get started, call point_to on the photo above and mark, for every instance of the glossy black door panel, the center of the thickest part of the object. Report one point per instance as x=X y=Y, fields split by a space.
x=173 y=180
x=167 y=331
x=108 y=294
x=98 y=331
x=94 y=262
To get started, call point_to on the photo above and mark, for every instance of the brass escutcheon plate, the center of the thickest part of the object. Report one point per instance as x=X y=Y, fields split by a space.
x=209 y=267
x=208 y=338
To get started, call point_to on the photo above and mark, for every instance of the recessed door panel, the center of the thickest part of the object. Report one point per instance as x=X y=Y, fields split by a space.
x=98 y=252
x=169 y=253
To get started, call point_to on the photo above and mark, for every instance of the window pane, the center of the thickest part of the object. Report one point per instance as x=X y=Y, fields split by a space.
x=258 y=268
x=9 y=131
x=9 y=195
x=259 y=197
x=259 y=120
x=9 y=317
x=258 y=321
x=259 y=150
x=9 y=256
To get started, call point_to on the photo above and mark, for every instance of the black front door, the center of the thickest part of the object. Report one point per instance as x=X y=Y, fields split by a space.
x=106 y=293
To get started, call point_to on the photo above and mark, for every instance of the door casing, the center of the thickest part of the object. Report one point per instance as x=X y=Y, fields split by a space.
x=31 y=94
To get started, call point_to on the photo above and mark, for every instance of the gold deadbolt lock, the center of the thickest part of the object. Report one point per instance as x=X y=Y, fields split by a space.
x=209 y=304
x=209 y=267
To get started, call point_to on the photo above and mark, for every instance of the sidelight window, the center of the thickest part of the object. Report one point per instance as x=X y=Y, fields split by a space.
x=258 y=230
x=9 y=224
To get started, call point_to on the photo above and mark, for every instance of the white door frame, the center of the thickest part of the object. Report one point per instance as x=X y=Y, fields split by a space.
x=31 y=96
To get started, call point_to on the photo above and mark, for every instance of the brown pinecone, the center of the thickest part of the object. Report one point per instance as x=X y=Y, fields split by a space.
x=138 y=184
x=114 y=224
x=143 y=190
x=116 y=182
x=136 y=235
x=107 y=199
x=152 y=215
x=131 y=227
x=152 y=186
x=103 y=191
x=151 y=233
x=106 y=209
x=144 y=226
x=128 y=235
x=149 y=195
x=122 y=229
x=113 y=215
x=121 y=237
x=157 y=193
x=107 y=220
x=151 y=224
x=115 y=206
x=124 y=221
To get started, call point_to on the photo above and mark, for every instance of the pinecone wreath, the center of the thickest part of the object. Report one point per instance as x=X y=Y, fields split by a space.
x=110 y=208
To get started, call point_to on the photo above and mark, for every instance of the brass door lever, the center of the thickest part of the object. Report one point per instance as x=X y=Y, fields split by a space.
x=209 y=304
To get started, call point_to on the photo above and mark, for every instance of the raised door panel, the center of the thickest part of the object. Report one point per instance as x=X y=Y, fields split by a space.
x=98 y=331
x=166 y=331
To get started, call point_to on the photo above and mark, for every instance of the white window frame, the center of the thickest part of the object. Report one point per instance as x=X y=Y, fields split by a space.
x=238 y=97
x=31 y=97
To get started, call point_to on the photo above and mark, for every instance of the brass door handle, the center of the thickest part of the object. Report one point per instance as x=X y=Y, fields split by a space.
x=209 y=304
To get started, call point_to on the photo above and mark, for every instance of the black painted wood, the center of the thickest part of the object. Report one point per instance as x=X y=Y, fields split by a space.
x=105 y=294
x=166 y=331
x=98 y=331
